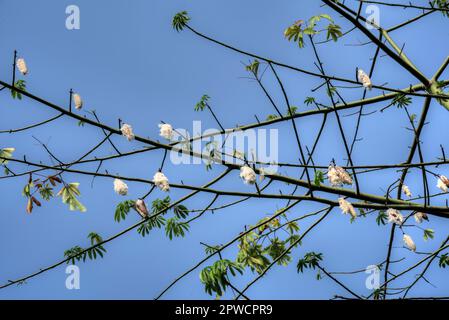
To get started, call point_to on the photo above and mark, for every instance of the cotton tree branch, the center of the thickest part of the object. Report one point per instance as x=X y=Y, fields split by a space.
x=222 y=247
x=296 y=242
x=316 y=192
x=405 y=6
x=369 y=167
x=360 y=113
x=441 y=69
x=340 y=125
x=156 y=145
x=411 y=154
x=407 y=22
x=339 y=282
x=298 y=140
x=421 y=275
x=32 y=125
x=412 y=267
x=368 y=200
x=121 y=233
x=259 y=82
x=310 y=72
x=400 y=59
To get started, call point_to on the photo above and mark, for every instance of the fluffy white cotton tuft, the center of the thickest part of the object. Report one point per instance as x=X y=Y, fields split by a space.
x=420 y=216
x=166 y=131
x=409 y=243
x=120 y=187
x=247 y=174
x=364 y=79
x=22 y=66
x=161 y=181
x=347 y=208
x=127 y=131
x=78 y=101
x=338 y=176
x=395 y=216
x=443 y=183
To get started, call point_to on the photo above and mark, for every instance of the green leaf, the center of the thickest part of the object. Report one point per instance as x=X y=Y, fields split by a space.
x=26 y=192
x=429 y=234
x=444 y=261
x=293 y=240
x=46 y=192
x=181 y=211
x=401 y=100
x=292 y=110
x=251 y=254
x=276 y=250
x=93 y=253
x=6 y=153
x=272 y=117
x=74 y=254
x=326 y=16
x=292 y=227
x=161 y=205
x=331 y=91
x=319 y=178
x=309 y=100
x=174 y=228
x=94 y=238
x=202 y=103
x=442 y=4
x=214 y=277
x=69 y=194
x=253 y=67
x=295 y=33
x=21 y=85
x=362 y=212
x=310 y=261
x=180 y=21
x=151 y=223
x=123 y=209
x=211 y=249
x=382 y=218
x=334 y=32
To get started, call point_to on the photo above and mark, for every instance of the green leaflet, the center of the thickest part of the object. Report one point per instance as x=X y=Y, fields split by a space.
x=6 y=153
x=69 y=195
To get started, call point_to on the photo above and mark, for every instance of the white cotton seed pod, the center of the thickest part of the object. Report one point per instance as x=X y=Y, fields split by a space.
x=333 y=177
x=127 y=131
x=420 y=216
x=395 y=216
x=346 y=207
x=141 y=208
x=120 y=187
x=161 y=181
x=22 y=66
x=166 y=131
x=78 y=101
x=344 y=176
x=364 y=79
x=408 y=241
x=406 y=191
x=247 y=174
x=338 y=176
x=443 y=183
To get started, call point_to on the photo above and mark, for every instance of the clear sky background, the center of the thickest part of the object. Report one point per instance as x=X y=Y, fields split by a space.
x=127 y=62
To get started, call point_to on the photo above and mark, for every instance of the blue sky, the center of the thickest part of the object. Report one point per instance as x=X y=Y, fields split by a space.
x=127 y=62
